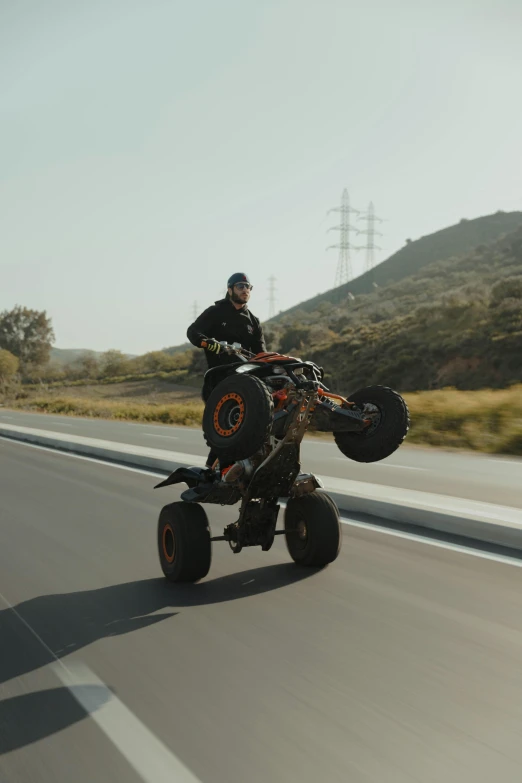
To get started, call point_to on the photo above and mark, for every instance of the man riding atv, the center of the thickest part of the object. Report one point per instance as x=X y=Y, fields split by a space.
x=258 y=409
x=228 y=320
x=259 y=406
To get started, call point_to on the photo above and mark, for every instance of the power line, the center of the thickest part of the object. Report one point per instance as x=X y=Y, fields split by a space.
x=371 y=232
x=271 y=297
x=195 y=310
x=344 y=265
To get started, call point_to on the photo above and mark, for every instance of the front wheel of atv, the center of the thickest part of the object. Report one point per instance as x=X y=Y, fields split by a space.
x=389 y=427
x=237 y=417
x=313 y=529
x=184 y=546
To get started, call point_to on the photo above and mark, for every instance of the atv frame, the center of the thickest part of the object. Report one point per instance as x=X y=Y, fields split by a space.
x=258 y=480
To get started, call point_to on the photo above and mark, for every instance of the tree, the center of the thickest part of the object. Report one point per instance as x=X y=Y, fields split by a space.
x=85 y=366
x=8 y=369
x=157 y=361
x=294 y=338
x=507 y=288
x=27 y=334
x=8 y=365
x=114 y=363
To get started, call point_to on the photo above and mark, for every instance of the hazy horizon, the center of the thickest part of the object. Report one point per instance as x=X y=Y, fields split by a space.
x=149 y=150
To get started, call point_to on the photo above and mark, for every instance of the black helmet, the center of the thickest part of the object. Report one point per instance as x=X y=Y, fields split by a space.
x=238 y=277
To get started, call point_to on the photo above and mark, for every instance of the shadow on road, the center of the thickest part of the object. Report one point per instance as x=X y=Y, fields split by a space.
x=67 y=622
x=34 y=716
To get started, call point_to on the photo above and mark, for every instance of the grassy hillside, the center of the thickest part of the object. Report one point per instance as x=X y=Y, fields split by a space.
x=63 y=356
x=174 y=349
x=147 y=389
x=318 y=320
x=448 y=243
x=458 y=322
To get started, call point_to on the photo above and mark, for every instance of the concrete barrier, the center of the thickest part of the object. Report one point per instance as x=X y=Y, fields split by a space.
x=485 y=522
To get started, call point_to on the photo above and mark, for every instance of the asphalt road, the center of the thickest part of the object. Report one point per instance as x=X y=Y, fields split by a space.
x=401 y=662
x=465 y=475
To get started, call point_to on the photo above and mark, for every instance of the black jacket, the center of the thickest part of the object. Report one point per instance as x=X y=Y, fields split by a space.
x=222 y=321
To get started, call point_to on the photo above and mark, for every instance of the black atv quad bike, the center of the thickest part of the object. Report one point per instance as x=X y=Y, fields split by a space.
x=257 y=411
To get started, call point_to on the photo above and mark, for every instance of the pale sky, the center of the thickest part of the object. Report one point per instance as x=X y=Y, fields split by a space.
x=150 y=149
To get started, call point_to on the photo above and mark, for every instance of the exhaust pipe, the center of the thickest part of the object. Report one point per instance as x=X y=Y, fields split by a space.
x=242 y=469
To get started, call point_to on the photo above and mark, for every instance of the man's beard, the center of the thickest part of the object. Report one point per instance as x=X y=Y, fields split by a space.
x=237 y=299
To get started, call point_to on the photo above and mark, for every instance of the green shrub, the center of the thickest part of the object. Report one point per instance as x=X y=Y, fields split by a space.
x=487 y=420
x=187 y=414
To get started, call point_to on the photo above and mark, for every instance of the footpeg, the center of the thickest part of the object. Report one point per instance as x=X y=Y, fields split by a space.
x=304 y=484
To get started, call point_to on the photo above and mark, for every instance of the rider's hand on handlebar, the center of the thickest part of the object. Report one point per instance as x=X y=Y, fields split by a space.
x=211 y=345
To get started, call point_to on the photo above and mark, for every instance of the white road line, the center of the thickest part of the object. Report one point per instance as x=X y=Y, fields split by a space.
x=156 y=435
x=464 y=550
x=364 y=525
x=151 y=759
x=499 y=461
x=148 y=756
x=68 y=454
x=386 y=465
x=403 y=467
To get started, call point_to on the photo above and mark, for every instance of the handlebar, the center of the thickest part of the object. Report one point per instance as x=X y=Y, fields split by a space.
x=230 y=348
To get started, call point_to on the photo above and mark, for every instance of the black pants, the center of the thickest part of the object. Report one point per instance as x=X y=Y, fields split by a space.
x=205 y=391
x=212 y=457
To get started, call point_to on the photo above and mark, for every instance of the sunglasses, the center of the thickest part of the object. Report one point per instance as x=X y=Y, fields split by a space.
x=243 y=286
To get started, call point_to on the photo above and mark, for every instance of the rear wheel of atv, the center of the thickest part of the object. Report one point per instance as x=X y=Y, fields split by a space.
x=390 y=425
x=313 y=529
x=184 y=547
x=237 y=417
